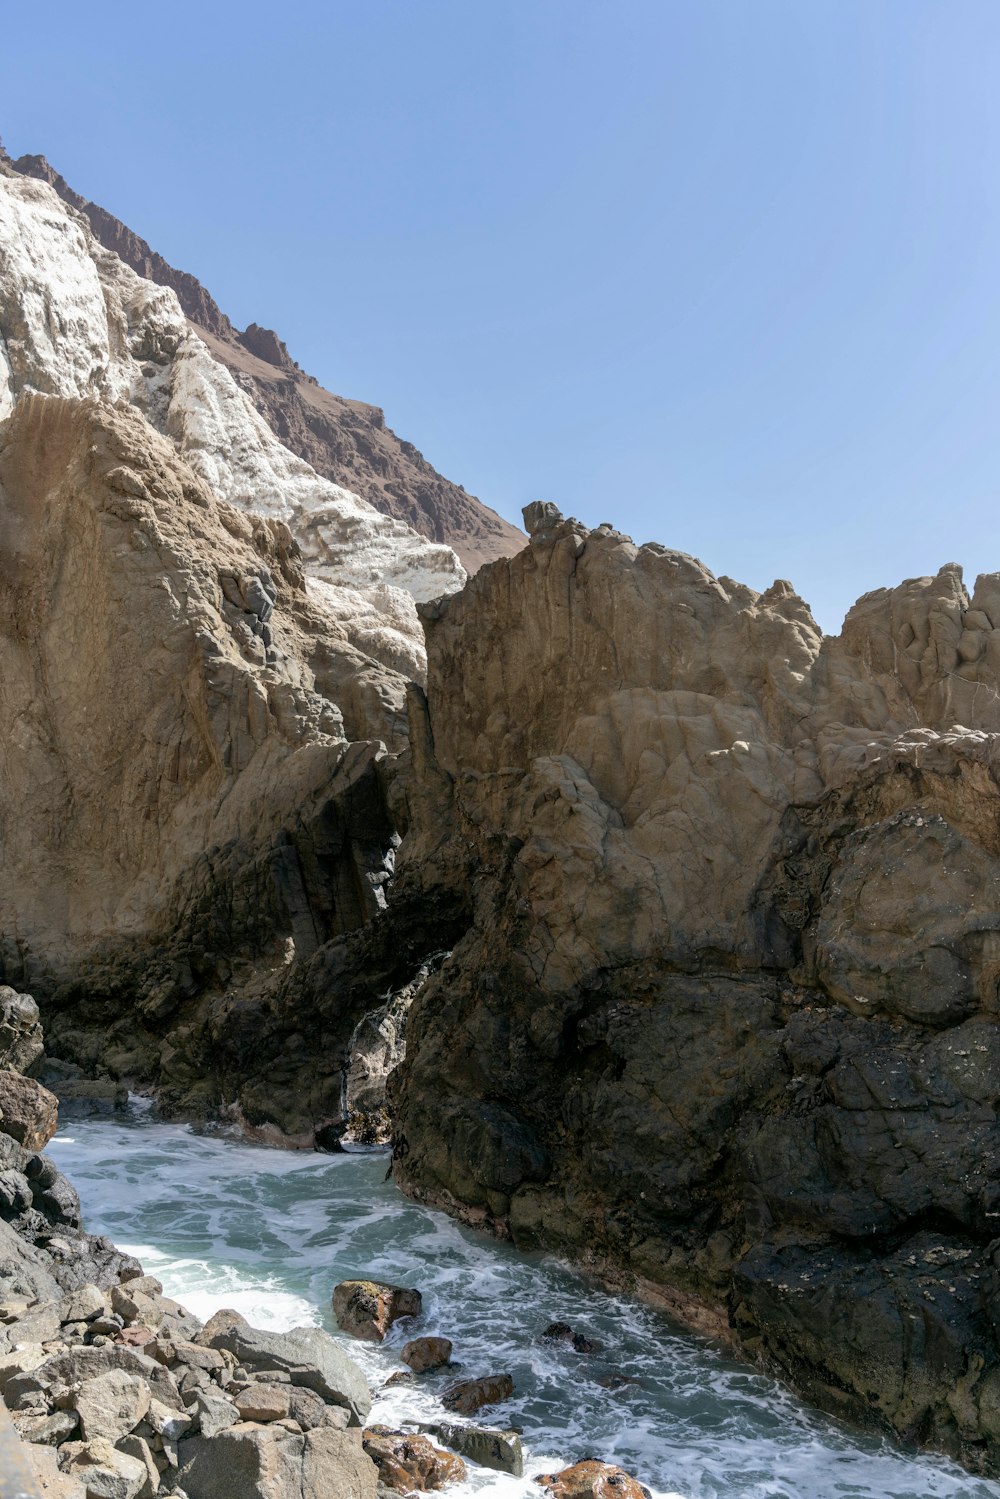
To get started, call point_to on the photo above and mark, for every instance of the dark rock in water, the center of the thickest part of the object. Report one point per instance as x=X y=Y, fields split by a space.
x=488 y=1446
x=408 y=1463
x=470 y=1395
x=592 y=1480
x=422 y=1354
x=401 y=1376
x=329 y=1136
x=367 y=1309
x=561 y=1332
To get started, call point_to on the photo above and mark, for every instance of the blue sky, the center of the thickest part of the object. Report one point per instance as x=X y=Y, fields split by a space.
x=723 y=272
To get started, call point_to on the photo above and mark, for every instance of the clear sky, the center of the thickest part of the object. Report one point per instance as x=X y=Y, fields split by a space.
x=723 y=272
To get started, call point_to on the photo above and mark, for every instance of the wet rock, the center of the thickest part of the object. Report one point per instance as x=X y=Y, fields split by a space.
x=310 y=1356
x=401 y=1376
x=470 y=1395
x=28 y=1112
x=421 y=1354
x=367 y=1309
x=561 y=1332
x=592 y=1480
x=488 y=1446
x=408 y=1463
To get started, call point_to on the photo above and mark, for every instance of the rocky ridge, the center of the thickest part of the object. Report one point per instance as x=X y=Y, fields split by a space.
x=728 y=990
x=345 y=441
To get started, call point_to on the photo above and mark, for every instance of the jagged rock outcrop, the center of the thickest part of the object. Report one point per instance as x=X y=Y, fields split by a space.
x=345 y=441
x=723 y=1024
x=76 y=321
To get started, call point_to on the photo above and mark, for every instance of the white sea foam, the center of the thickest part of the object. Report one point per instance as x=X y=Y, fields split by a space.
x=222 y=1223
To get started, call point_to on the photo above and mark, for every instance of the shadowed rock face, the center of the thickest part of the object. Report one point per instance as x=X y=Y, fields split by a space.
x=723 y=1024
x=345 y=441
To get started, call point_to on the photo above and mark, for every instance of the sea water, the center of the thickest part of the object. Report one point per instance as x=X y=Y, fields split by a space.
x=269 y=1232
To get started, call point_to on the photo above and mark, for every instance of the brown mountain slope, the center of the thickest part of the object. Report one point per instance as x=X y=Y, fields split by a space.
x=346 y=441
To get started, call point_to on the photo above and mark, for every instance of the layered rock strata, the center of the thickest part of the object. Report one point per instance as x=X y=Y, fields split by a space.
x=344 y=441
x=723 y=1024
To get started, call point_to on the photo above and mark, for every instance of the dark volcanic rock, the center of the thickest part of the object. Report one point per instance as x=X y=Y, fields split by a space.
x=728 y=998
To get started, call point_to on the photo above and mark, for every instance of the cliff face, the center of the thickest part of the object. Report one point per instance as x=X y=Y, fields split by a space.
x=191 y=793
x=344 y=441
x=723 y=1024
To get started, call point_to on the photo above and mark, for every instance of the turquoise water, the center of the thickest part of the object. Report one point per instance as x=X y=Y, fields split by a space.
x=223 y=1223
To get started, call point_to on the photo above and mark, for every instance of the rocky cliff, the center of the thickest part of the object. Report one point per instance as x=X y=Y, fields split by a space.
x=723 y=1024
x=345 y=441
x=204 y=650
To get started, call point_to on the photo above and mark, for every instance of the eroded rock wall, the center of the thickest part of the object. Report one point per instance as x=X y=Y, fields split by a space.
x=724 y=1022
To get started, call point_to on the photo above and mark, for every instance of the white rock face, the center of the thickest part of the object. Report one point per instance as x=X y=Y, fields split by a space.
x=76 y=321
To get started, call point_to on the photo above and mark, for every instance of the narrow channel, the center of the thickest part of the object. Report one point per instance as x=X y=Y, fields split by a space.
x=268 y=1232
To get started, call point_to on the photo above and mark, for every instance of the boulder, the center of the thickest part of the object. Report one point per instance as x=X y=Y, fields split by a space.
x=262 y=1402
x=421 y=1354
x=408 y=1463
x=215 y=1414
x=561 y=1332
x=28 y=1112
x=310 y=1356
x=111 y=1405
x=79 y=1364
x=267 y=1462
x=470 y=1395
x=592 y=1480
x=84 y=1305
x=485 y=1445
x=139 y=1449
x=366 y=1309
x=105 y=1472
x=20 y=1031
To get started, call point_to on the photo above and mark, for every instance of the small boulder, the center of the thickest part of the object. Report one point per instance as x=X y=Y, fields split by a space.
x=28 y=1112
x=111 y=1405
x=470 y=1395
x=138 y=1448
x=84 y=1305
x=262 y=1402
x=592 y=1480
x=105 y=1472
x=406 y=1462
x=561 y=1332
x=366 y=1309
x=422 y=1354
x=485 y=1445
x=216 y=1414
